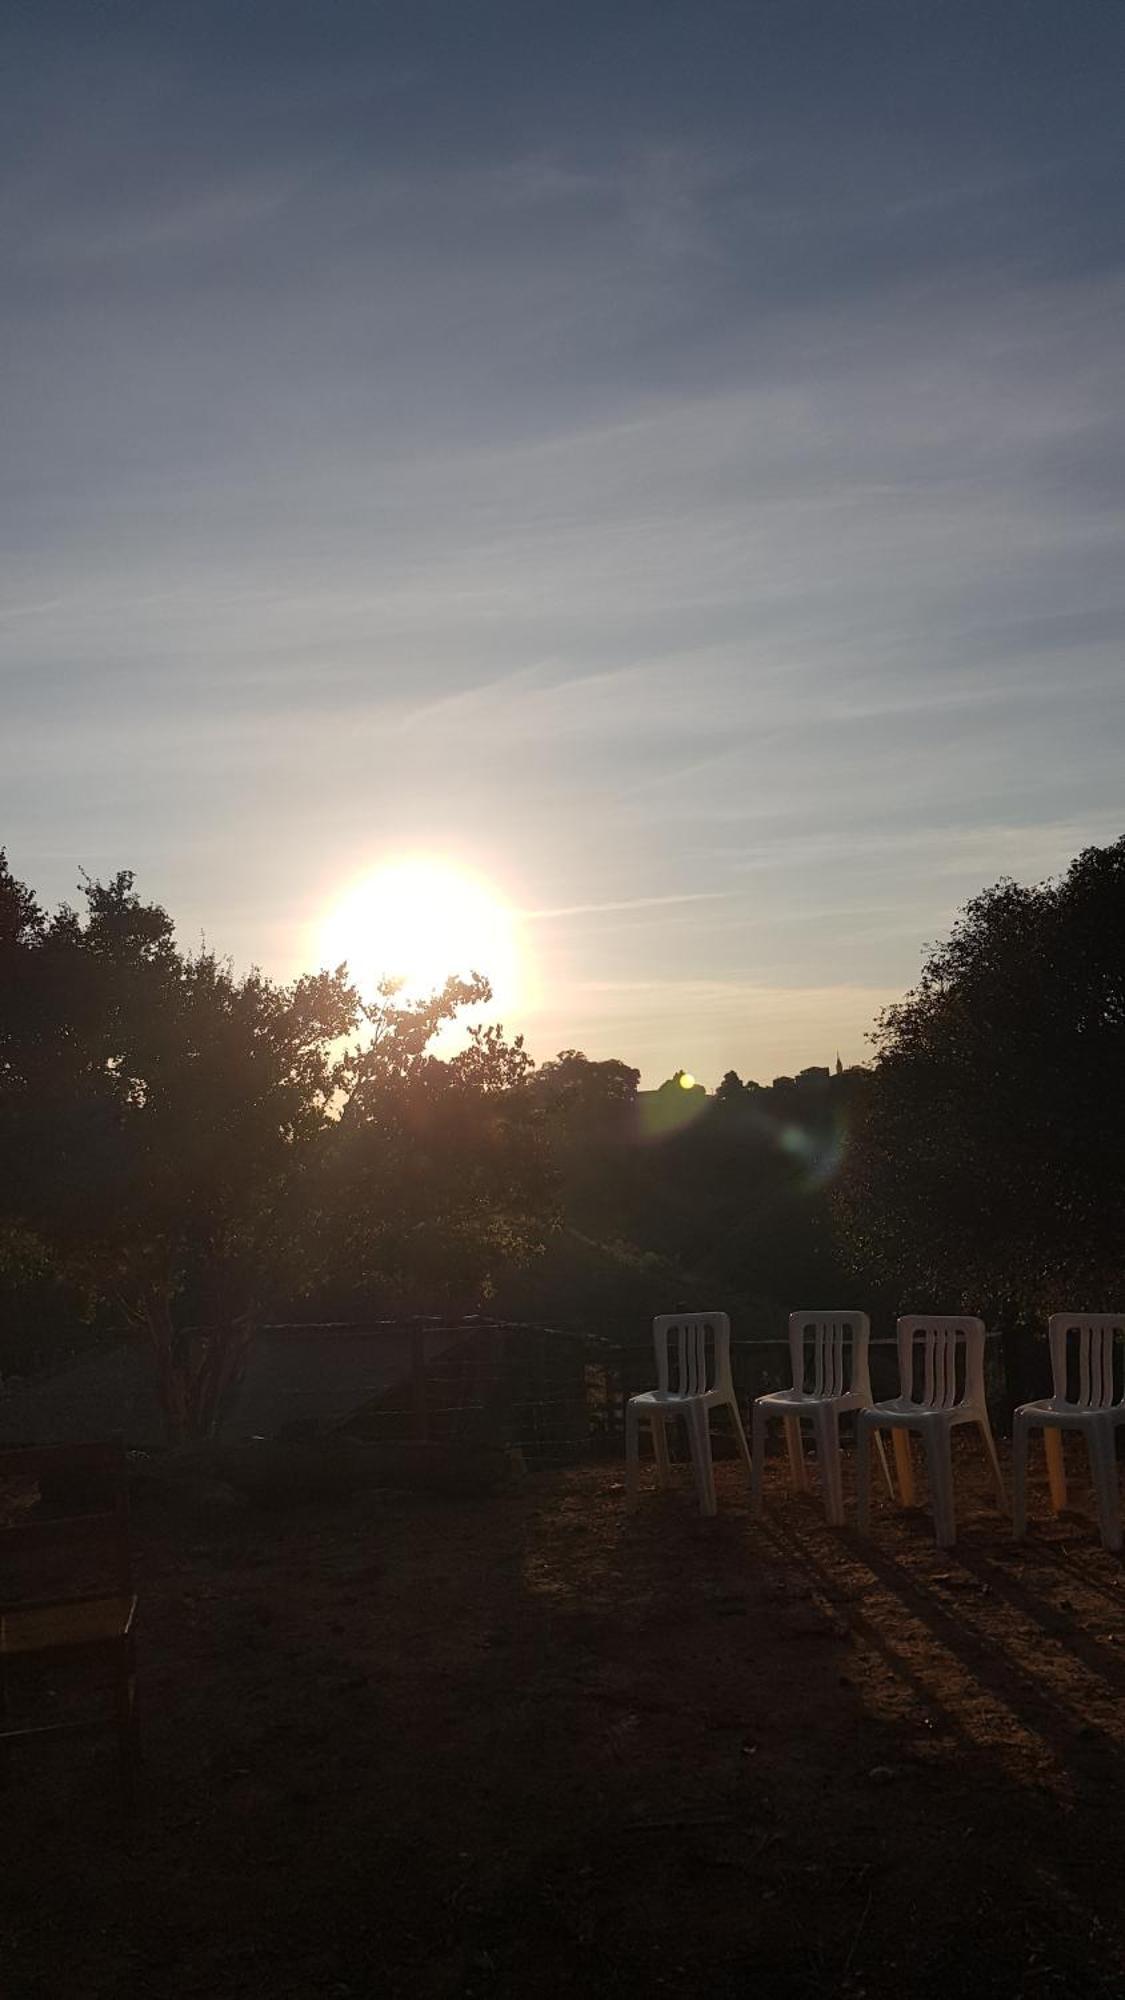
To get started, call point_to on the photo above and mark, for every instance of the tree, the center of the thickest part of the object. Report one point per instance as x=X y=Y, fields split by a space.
x=681 y=1080
x=197 y=1146
x=578 y=1090
x=439 y=1173
x=159 y=1121
x=985 y=1167
x=731 y=1089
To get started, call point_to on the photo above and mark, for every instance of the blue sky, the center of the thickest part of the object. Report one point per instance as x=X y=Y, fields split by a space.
x=666 y=459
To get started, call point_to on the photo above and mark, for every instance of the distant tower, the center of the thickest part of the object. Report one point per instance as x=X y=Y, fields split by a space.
x=839 y=1064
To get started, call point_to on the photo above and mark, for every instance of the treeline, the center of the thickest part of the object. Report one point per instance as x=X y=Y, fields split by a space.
x=186 y=1152
x=671 y=1197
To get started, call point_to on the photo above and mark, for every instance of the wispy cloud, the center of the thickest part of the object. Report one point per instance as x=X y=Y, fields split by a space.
x=698 y=505
x=627 y=903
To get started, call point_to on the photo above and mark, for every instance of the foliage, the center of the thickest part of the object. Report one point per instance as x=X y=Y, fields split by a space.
x=738 y=1198
x=200 y=1147
x=986 y=1167
x=725 y=1201
x=196 y=1146
x=159 y=1118
x=581 y=1093
x=593 y=1286
x=439 y=1174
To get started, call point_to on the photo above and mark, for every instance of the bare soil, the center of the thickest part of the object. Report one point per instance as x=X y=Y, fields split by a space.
x=540 y=1745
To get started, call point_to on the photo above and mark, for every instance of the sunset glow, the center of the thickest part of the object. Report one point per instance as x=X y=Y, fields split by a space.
x=419 y=921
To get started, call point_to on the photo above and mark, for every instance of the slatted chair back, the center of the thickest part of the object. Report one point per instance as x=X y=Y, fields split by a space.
x=829 y=1353
x=941 y=1360
x=81 y=1517
x=1088 y=1359
x=692 y=1354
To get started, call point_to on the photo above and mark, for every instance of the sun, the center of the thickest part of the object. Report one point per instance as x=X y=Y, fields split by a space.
x=418 y=921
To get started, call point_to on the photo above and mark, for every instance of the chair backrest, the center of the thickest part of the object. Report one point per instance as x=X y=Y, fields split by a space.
x=62 y=1505
x=829 y=1353
x=950 y=1351
x=692 y=1352
x=1088 y=1359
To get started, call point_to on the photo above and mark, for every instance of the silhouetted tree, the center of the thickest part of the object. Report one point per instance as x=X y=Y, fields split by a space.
x=197 y=1146
x=986 y=1165
x=158 y=1122
x=679 y=1081
x=572 y=1087
x=439 y=1172
x=731 y=1089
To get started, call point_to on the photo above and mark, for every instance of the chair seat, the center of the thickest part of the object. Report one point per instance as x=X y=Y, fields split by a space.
x=1048 y=1411
x=670 y=1399
x=49 y=1628
x=795 y=1401
x=902 y=1414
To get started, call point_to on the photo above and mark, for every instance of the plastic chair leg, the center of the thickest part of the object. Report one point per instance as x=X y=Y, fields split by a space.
x=882 y=1451
x=660 y=1450
x=699 y=1434
x=826 y=1430
x=985 y=1429
x=1056 y=1466
x=798 y=1471
x=632 y=1452
x=939 y=1465
x=757 y=1454
x=1020 y=1431
x=740 y=1436
x=1103 y=1465
x=904 y=1467
x=863 y=1431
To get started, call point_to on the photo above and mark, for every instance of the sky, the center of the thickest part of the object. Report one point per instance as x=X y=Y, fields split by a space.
x=664 y=459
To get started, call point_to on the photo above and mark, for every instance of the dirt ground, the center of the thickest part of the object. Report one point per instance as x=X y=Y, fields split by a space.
x=540 y=1745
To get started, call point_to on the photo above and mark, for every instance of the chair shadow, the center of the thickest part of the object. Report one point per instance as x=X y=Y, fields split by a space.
x=1074 y=1743
x=995 y=1575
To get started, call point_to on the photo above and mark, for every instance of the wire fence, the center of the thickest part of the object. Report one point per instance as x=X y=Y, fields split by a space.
x=549 y=1392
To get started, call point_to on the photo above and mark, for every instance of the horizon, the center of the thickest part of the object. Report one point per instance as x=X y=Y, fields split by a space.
x=663 y=472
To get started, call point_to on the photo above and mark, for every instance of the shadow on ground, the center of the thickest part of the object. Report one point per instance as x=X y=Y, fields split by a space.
x=538 y=1744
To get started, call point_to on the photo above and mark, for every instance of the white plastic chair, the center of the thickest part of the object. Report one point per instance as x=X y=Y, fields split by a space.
x=952 y=1392
x=828 y=1351
x=1092 y=1342
x=693 y=1378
